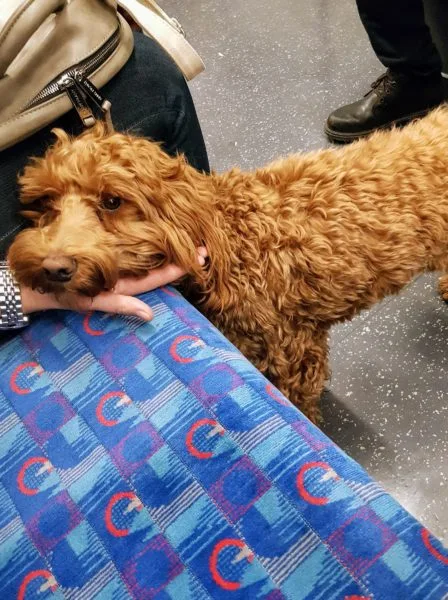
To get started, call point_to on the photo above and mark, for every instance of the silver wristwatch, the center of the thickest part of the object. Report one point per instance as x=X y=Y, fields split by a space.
x=11 y=311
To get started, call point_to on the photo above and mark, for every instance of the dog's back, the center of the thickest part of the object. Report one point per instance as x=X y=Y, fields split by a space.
x=365 y=218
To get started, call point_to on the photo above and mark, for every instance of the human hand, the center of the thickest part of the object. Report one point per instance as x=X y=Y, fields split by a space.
x=120 y=300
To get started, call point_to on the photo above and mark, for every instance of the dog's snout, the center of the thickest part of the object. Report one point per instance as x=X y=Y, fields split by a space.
x=58 y=268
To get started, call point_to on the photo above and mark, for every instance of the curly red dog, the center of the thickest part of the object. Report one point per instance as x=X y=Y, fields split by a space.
x=301 y=244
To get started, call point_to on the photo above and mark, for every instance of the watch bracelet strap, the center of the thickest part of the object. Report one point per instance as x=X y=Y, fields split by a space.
x=11 y=310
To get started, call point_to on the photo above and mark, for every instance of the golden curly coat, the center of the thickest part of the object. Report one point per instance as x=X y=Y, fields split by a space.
x=303 y=243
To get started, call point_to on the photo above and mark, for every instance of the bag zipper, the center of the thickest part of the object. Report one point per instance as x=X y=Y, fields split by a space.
x=80 y=90
x=77 y=85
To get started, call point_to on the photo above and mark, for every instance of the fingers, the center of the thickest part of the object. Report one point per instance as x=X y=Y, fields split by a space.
x=120 y=301
x=121 y=305
x=105 y=302
x=154 y=279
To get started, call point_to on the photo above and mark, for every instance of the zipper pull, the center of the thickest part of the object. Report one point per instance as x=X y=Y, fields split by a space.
x=68 y=84
x=91 y=90
x=94 y=94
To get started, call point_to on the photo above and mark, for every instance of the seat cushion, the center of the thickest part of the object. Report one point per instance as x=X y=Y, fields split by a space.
x=153 y=461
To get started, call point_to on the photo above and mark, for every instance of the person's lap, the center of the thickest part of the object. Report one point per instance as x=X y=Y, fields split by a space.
x=149 y=96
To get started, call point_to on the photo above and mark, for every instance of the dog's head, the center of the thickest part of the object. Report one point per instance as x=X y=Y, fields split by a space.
x=103 y=206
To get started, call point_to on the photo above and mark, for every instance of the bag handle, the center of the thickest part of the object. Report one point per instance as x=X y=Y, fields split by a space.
x=167 y=32
x=152 y=5
x=24 y=21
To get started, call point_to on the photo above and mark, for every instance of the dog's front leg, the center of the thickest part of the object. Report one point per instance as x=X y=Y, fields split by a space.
x=299 y=367
x=252 y=345
x=443 y=287
x=293 y=356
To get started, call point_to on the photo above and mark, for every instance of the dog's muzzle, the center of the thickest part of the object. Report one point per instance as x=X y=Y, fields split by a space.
x=58 y=269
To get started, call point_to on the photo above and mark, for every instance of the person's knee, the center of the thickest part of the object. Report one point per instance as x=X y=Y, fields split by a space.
x=161 y=72
x=149 y=84
x=151 y=97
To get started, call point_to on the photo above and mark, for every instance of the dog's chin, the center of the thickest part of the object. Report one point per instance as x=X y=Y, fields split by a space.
x=60 y=289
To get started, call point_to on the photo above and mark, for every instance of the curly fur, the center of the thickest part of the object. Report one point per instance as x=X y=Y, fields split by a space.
x=306 y=242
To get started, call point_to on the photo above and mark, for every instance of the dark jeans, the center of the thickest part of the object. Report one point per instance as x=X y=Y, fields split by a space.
x=400 y=36
x=149 y=96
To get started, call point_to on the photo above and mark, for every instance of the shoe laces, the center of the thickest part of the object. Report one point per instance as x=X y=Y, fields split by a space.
x=382 y=86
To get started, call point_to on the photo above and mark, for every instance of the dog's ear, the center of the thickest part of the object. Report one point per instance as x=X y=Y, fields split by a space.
x=182 y=199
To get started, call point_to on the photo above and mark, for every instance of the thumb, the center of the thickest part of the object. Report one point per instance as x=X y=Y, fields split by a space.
x=122 y=305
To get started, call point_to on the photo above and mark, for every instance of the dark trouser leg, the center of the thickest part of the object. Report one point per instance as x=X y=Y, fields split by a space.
x=437 y=18
x=399 y=36
x=412 y=84
x=149 y=96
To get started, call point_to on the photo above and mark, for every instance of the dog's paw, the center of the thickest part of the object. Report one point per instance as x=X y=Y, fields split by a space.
x=443 y=287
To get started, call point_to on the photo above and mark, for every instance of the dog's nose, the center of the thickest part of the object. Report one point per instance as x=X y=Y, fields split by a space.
x=58 y=268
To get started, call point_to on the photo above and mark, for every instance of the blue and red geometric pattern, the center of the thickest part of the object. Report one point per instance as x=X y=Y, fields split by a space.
x=153 y=461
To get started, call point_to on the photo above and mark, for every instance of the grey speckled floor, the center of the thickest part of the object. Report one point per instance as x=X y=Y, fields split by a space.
x=274 y=72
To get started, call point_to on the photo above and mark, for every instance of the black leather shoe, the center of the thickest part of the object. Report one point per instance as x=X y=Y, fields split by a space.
x=394 y=99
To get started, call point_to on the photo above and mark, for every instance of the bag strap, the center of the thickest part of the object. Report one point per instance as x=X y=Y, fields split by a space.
x=155 y=23
x=159 y=11
x=24 y=21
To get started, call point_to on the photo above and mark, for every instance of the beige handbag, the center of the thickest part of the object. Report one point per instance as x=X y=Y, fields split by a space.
x=55 y=54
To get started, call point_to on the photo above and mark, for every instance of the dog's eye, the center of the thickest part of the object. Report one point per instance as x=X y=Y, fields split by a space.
x=37 y=204
x=111 y=203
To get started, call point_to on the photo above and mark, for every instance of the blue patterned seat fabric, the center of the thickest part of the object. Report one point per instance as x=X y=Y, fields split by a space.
x=153 y=461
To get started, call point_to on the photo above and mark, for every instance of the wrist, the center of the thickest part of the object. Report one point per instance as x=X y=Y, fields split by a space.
x=33 y=301
x=12 y=315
